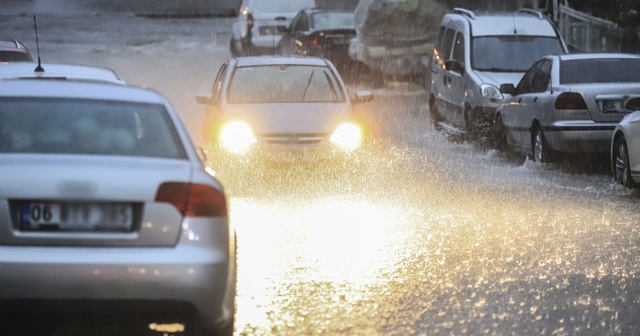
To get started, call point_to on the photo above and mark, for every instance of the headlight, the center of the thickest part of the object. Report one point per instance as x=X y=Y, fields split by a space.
x=237 y=137
x=347 y=136
x=490 y=92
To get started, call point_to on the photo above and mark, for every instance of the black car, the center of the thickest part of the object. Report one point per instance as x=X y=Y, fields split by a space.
x=14 y=51
x=321 y=33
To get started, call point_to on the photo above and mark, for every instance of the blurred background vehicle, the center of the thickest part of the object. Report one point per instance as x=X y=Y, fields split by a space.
x=394 y=37
x=625 y=147
x=14 y=51
x=476 y=53
x=567 y=103
x=281 y=109
x=321 y=33
x=105 y=205
x=66 y=72
x=260 y=24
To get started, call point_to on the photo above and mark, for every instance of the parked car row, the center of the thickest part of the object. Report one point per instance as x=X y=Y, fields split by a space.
x=106 y=204
x=509 y=78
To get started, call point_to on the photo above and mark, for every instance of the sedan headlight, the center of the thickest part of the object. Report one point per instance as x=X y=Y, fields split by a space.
x=490 y=92
x=347 y=136
x=237 y=137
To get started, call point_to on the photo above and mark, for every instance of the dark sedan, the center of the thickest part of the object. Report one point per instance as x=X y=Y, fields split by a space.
x=321 y=33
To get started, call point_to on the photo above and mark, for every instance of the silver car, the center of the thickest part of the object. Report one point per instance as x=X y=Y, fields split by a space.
x=105 y=203
x=282 y=109
x=567 y=104
x=625 y=147
x=58 y=72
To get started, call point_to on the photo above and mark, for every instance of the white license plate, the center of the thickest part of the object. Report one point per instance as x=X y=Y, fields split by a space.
x=76 y=216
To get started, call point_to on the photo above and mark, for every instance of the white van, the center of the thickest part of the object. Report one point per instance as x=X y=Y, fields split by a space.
x=475 y=54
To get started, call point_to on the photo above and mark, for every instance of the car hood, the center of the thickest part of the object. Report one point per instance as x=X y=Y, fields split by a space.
x=499 y=78
x=290 y=117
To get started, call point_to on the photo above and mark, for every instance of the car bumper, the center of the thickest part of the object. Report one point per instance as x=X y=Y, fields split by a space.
x=580 y=136
x=198 y=272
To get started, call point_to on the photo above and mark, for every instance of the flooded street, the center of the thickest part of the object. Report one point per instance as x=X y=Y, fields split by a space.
x=420 y=234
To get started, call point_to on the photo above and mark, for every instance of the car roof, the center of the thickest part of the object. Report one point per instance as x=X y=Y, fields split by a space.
x=570 y=57
x=78 y=90
x=278 y=60
x=498 y=24
x=27 y=70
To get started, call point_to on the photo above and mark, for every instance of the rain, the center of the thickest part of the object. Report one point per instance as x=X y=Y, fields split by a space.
x=421 y=232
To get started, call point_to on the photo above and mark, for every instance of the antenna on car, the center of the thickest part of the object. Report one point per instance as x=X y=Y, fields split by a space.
x=39 y=68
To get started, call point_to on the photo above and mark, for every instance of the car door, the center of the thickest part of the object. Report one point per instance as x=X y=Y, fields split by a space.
x=515 y=112
x=442 y=77
x=455 y=77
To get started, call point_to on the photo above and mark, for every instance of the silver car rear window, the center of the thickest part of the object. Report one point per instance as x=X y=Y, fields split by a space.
x=284 y=84
x=608 y=70
x=81 y=126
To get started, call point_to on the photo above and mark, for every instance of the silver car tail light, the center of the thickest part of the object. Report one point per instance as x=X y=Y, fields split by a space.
x=570 y=101
x=193 y=200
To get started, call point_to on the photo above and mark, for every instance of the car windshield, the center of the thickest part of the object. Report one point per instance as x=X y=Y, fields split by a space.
x=327 y=20
x=78 y=126
x=610 y=70
x=14 y=56
x=280 y=6
x=284 y=84
x=511 y=53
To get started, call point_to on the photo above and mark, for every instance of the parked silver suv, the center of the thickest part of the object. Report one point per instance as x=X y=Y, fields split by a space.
x=475 y=54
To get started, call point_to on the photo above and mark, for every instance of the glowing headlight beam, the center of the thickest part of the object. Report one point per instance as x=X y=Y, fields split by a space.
x=348 y=136
x=237 y=137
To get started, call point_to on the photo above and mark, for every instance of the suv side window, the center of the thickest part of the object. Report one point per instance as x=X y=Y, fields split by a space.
x=458 y=49
x=526 y=83
x=446 y=44
x=541 y=80
x=438 y=45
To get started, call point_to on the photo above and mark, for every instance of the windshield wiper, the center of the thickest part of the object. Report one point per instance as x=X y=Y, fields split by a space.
x=494 y=69
x=304 y=94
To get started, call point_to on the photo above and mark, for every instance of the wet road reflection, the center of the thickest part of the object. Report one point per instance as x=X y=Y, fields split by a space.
x=442 y=238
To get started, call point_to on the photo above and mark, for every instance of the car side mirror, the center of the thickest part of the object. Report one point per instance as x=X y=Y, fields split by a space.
x=362 y=97
x=508 y=89
x=454 y=65
x=205 y=98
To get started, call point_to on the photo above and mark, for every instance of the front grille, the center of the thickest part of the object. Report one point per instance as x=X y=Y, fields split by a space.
x=293 y=139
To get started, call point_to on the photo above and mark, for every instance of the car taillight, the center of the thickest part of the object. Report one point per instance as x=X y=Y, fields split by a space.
x=314 y=41
x=193 y=200
x=570 y=101
x=249 y=21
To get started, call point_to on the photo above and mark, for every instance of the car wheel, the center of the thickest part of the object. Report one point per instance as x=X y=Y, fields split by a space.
x=539 y=146
x=622 y=169
x=499 y=135
x=469 y=126
x=435 y=116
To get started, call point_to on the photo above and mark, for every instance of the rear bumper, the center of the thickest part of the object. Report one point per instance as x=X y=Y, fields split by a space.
x=580 y=136
x=198 y=272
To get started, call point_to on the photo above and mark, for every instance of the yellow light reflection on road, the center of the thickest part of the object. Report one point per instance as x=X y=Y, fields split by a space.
x=289 y=241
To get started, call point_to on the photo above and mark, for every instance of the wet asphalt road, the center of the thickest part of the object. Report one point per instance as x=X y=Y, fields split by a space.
x=421 y=234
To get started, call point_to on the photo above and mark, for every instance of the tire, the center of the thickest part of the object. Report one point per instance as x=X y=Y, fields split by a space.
x=469 y=127
x=539 y=146
x=622 y=168
x=435 y=117
x=499 y=135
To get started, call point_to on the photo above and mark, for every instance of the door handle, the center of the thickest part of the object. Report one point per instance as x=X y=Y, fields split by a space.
x=535 y=99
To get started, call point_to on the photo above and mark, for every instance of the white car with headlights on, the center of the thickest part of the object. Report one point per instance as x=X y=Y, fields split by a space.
x=106 y=208
x=282 y=109
x=625 y=147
